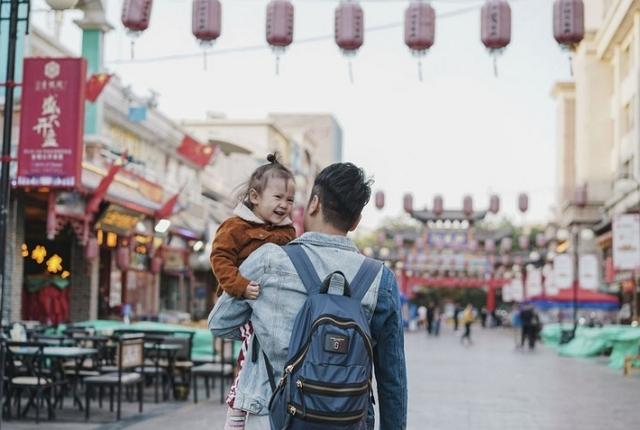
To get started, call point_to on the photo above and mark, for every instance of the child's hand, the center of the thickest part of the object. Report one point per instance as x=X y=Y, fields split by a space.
x=252 y=291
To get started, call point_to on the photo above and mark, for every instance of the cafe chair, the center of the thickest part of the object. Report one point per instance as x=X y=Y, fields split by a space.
x=221 y=368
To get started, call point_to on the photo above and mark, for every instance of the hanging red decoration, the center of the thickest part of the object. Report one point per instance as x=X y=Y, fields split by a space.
x=91 y=249
x=156 y=264
x=540 y=240
x=494 y=204
x=568 y=22
x=123 y=257
x=438 y=205
x=349 y=29
x=581 y=196
x=505 y=259
x=136 y=15
x=506 y=244
x=407 y=203
x=523 y=202
x=490 y=245
x=206 y=23
x=467 y=206
x=496 y=27
x=279 y=27
x=380 y=200
x=419 y=29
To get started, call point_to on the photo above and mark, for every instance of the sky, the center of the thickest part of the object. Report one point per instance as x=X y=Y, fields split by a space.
x=459 y=131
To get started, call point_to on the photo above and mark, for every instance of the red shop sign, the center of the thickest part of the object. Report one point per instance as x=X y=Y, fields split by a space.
x=52 y=122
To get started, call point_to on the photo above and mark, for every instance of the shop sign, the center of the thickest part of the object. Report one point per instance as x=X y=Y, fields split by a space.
x=173 y=260
x=626 y=242
x=52 y=123
x=589 y=273
x=119 y=220
x=563 y=271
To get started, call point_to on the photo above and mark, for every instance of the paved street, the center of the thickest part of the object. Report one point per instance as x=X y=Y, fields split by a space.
x=489 y=385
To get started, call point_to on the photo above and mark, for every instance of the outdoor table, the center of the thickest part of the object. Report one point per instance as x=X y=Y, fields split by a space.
x=162 y=350
x=61 y=353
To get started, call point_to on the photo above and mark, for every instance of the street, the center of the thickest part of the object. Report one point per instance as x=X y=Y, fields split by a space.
x=489 y=385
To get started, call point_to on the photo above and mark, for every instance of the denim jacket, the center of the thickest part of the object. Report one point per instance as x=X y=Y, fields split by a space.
x=282 y=296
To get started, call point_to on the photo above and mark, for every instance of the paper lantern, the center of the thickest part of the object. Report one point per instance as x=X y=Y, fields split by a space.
x=91 y=250
x=506 y=244
x=136 y=15
x=523 y=242
x=568 y=22
x=156 y=264
x=523 y=202
x=419 y=29
x=407 y=203
x=467 y=206
x=494 y=204
x=206 y=23
x=496 y=28
x=438 y=205
x=540 y=240
x=490 y=245
x=123 y=257
x=349 y=29
x=279 y=27
x=379 y=200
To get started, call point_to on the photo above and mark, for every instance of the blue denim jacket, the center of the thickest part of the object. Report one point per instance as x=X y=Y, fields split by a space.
x=281 y=297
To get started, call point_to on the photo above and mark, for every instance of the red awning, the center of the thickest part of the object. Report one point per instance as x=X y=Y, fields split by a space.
x=566 y=295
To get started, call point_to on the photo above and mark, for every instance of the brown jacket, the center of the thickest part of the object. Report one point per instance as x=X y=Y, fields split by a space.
x=238 y=237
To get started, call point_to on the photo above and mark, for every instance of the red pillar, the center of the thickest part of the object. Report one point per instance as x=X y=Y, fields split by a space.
x=491 y=298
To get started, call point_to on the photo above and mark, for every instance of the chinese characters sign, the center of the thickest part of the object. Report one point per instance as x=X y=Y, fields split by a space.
x=626 y=242
x=52 y=122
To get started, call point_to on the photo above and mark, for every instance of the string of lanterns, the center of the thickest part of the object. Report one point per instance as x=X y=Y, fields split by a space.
x=419 y=25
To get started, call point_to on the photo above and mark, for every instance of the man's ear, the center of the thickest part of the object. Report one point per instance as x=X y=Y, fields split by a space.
x=314 y=205
x=355 y=224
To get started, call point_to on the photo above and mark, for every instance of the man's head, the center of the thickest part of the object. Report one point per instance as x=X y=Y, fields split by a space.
x=339 y=194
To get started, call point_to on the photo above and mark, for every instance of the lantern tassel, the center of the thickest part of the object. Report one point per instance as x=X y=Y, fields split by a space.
x=277 y=65
x=495 y=65
x=571 y=64
x=204 y=59
x=350 y=72
x=133 y=44
x=420 y=70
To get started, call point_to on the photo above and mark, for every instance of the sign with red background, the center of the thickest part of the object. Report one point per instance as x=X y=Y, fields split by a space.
x=52 y=122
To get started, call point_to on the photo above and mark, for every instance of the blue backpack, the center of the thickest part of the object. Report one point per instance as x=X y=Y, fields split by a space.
x=326 y=382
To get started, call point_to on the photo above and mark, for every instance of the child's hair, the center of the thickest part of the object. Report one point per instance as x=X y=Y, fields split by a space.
x=260 y=177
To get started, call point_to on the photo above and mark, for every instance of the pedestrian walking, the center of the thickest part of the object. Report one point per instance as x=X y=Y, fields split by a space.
x=483 y=317
x=338 y=195
x=431 y=309
x=456 y=312
x=422 y=316
x=530 y=322
x=516 y=325
x=467 y=321
x=262 y=216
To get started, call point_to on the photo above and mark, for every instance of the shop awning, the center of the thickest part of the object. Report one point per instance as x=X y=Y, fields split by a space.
x=585 y=298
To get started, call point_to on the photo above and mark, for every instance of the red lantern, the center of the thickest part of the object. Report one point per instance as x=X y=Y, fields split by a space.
x=568 y=22
x=380 y=199
x=156 y=264
x=505 y=259
x=581 y=196
x=523 y=242
x=136 y=15
x=279 y=27
x=490 y=245
x=349 y=29
x=419 y=29
x=407 y=203
x=467 y=206
x=438 y=205
x=496 y=27
x=91 y=249
x=123 y=258
x=494 y=204
x=540 y=240
x=206 y=23
x=523 y=202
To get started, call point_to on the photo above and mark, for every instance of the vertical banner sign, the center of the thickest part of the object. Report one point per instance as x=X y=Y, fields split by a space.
x=563 y=271
x=626 y=242
x=589 y=274
x=52 y=122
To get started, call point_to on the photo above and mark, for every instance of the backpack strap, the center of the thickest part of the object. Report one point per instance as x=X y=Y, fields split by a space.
x=364 y=278
x=304 y=267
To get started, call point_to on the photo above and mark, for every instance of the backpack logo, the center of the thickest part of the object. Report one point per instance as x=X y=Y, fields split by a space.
x=336 y=343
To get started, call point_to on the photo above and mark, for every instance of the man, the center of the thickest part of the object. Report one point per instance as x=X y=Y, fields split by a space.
x=339 y=194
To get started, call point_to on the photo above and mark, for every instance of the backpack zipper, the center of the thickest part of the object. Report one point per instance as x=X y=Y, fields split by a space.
x=325 y=389
x=291 y=367
x=294 y=411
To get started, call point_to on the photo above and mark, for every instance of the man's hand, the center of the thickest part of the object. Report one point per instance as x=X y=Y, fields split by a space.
x=252 y=291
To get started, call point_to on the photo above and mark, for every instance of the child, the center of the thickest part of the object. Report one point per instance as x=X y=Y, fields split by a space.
x=262 y=216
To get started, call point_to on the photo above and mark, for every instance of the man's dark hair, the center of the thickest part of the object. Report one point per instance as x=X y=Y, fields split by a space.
x=343 y=191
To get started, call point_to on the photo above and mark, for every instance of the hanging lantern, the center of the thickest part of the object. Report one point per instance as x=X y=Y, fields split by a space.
x=467 y=206
x=279 y=27
x=494 y=204
x=438 y=205
x=91 y=249
x=472 y=246
x=156 y=264
x=496 y=28
x=523 y=202
x=206 y=23
x=523 y=242
x=506 y=244
x=581 y=196
x=419 y=29
x=399 y=240
x=349 y=29
x=568 y=22
x=490 y=245
x=505 y=259
x=380 y=199
x=136 y=15
x=407 y=202
x=540 y=240
x=123 y=258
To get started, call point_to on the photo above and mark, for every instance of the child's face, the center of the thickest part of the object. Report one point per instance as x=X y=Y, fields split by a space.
x=275 y=202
